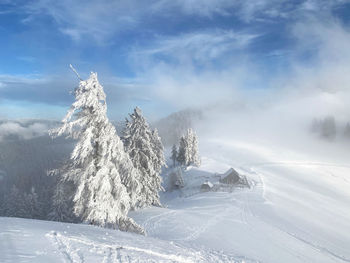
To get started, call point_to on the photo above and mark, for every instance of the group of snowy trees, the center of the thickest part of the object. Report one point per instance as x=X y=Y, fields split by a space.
x=329 y=128
x=187 y=154
x=106 y=176
x=147 y=154
x=20 y=204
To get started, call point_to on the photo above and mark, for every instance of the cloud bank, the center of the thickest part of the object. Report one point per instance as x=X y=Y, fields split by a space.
x=17 y=130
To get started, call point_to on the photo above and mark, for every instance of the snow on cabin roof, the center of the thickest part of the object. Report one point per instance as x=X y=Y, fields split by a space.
x=208 y=184
x=231 y=171
x=230 y=177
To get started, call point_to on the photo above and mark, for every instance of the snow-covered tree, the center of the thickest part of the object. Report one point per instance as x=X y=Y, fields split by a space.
x=33 y=205
x=20 y=204
x=183 y=154
x=15 y=205
x=98 y=163
x=146 y=152
x=174 y=154
x=62 y=203
x=158 y=149
x=176 y=180
x=195 y=159
x=188 y=149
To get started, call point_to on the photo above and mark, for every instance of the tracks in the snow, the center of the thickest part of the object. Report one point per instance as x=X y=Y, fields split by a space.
x=64 y=247
x=82 y=250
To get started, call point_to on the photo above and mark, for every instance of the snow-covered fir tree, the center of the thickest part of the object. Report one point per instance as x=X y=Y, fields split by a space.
x=174 y=154
x=33 y=205
x=147 y=154
x=158 y=149
x=182 y=156
x=15 y=204
x=188 y=150
x=21 y=204
x=98 y=162
x=62 y=203
x=195 y=159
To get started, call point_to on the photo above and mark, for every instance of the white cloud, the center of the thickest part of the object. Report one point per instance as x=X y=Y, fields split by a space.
x=315 y=86
x=202 y=44
x=20 y=131
x=196 y=47
x=31 y=79
x=168 y=66
x=319 y=5
x=195 y=7
x=100 y=20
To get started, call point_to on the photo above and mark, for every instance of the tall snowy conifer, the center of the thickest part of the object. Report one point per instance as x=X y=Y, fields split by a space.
x=183 y=155
x=188 y=149
x=62 y=203
x=15 y=205
x=195 y=159
x=98 y=163
x=33 y=205
x=174 y=154
x=146 y=152
x=158 y=149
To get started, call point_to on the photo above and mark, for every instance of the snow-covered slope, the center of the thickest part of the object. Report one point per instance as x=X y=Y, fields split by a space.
x=297 y=211
x=286 y=217
x=26 y=240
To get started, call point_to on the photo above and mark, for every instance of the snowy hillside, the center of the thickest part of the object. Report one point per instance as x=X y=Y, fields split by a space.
x=296 y=211
x=288 y=215
x=26 y=240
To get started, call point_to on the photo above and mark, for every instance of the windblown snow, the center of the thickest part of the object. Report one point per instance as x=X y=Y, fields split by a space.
x=297 y=210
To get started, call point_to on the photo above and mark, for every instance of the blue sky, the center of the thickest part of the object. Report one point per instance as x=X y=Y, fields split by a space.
x=161 y=55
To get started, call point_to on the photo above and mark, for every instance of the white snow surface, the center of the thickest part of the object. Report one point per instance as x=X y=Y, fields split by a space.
x=296 y=211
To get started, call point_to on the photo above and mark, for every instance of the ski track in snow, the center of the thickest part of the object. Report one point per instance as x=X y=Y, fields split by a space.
x=211 y=222
x=69 y=248
x=318 y=247
x=63 y=245
x=154 y=220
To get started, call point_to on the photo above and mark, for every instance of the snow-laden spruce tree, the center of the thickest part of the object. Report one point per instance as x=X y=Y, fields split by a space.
x=147 y=154
x=158 y=149
x=98 y=162
x=33 y=205
x=195 y=160
x=62 y=203
x=188 y=149
x=183 y=154
x=15 y=204
x=174 y=154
